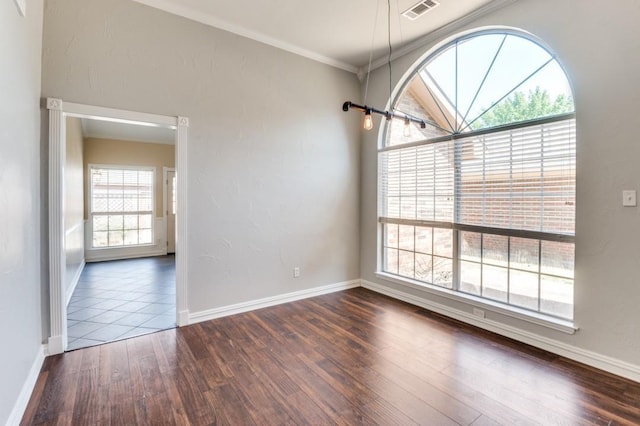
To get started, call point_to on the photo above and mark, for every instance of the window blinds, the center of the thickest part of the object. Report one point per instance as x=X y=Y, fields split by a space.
x=521 y=178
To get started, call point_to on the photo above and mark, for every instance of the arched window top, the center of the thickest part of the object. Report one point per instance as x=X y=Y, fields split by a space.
x=482 y=80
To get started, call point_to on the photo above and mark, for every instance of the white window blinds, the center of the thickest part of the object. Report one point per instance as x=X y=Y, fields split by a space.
x=121 y=206
x=521 y=178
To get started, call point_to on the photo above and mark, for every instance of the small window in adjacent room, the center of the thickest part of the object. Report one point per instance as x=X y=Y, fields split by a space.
x=121 y=205
x=482 y=201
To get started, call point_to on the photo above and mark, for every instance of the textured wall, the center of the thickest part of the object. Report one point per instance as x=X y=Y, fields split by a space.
x=20 y=332
x=273 y=161
x=600 y=50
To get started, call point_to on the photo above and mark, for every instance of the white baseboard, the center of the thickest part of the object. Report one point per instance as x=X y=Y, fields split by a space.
x=74 y=283
x=602 y=362
x=269 y=301
x=183 y=318
x=27 y=388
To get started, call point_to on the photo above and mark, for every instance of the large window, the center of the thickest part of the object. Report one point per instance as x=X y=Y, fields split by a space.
x=482 y=201
x=121 y=205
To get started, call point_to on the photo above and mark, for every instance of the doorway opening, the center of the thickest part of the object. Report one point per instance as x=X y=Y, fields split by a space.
x=121 y=282
x=123 y=229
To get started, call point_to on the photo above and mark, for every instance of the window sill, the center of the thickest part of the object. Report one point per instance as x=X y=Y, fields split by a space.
x=557 y=324
x=120 y=247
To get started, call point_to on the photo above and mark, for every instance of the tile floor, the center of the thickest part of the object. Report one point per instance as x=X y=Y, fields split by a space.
x=122 y=298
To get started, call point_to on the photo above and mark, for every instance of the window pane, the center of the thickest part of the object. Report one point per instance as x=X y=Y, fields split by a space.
x=495 y=283
x=100 y=223
x=116 y=222
x=524 y=254
x=144 y=204
x=390 y=260
x=406 y=237
x=145 y=221
x=131 y=203
x=470 y=246
x=556 y=296
x=405 y=267
x=100 y=239
x=116 y=204
x=523 y=289
x=470 y=277
x=424 y=238
x=495 y=249
x=130 y=237
x=442 y=272
x=393 y=207
x=443 y=242
x=115 y=238
x=558 y=258
x=515 y=178
x=131 y=222
x=425 y=207
x=99 y=203
x=391 y=235
x=424 y=268
x=118 y=190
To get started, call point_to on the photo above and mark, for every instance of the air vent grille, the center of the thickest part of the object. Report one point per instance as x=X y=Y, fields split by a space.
x=419 y=9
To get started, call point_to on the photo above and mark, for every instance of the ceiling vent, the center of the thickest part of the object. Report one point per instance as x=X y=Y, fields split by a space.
x=419 y=9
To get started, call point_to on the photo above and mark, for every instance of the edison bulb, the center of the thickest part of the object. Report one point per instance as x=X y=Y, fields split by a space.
x=368 y=121
x=407 y=128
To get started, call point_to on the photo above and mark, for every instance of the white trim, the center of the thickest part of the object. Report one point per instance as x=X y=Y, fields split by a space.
x=203 y=18
x=118 y=115
x=511 y=311
x=57 y=256
x=165 y=206
x=438 y=34
x=58 y=110
x=182 y=272
x=110 y=255
x=602 y=362
x=270 y=301
x=15 y=417
x=74 y=283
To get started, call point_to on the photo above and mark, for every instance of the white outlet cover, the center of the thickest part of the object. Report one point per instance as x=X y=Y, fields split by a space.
x=629 y=198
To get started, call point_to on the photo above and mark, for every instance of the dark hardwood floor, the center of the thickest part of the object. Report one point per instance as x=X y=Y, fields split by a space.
x=353 y=357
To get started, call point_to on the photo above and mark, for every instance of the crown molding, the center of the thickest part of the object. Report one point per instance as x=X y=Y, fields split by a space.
x=207 y=19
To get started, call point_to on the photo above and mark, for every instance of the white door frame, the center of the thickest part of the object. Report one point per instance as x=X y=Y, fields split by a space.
x=165 y=205
x=58 y=111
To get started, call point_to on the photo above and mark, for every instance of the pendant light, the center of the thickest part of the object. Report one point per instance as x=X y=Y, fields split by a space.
x=368 y=110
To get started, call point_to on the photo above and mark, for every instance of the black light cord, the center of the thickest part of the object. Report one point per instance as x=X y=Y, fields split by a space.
x=389 y=41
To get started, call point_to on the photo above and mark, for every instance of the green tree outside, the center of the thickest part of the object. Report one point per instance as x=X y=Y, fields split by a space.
x=522 y=107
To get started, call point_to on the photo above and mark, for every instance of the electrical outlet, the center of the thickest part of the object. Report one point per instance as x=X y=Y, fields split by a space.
x=629 y=198
x=296 y=272
x=478 y=312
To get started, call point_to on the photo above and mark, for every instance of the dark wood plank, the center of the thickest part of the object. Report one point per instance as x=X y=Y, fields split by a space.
x=353 y=357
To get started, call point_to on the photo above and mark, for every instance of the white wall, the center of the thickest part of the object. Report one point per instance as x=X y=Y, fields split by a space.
x=20 y=327
x=600 y=48
x=73 y=204
x=273 y=161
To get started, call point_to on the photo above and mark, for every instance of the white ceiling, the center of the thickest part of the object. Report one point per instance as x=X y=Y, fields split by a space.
x=101 y=129
x=335 y=32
